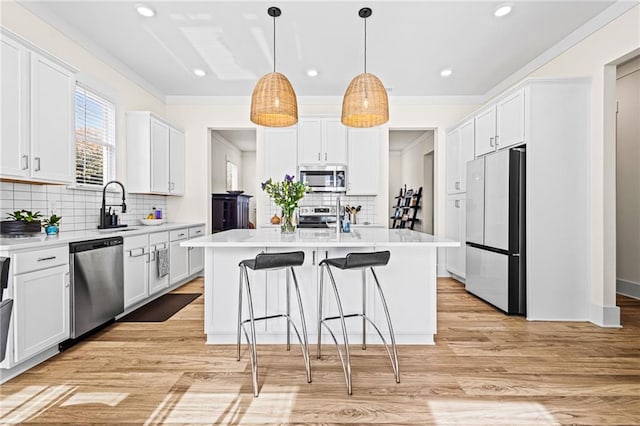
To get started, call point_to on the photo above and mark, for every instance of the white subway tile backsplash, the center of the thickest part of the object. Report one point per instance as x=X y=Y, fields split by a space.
x=79 y=208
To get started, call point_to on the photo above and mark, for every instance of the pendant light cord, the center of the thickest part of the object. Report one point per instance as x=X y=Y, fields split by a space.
x=274 y=44
x=365 y=45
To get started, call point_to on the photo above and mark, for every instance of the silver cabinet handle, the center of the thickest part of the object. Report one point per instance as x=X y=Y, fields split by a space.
x=318 y=156
x=491 y=141
x=37 y=169
x=313 y=257
x=142 y=253
x=457 y=203
x=154 y=256
x=42 y=259
x=173 y=186
x=25 y=159
x=180 y=235
x=325 y=156
x=457 y=185
x=496 y=141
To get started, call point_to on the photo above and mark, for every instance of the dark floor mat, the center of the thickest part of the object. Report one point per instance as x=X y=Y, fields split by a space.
x=161 y=309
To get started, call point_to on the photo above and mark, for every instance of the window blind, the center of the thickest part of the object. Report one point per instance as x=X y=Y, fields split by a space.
x=95 y=138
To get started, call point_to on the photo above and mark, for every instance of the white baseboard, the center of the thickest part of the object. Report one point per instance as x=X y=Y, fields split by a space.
x=605 y=316
x=628 y=288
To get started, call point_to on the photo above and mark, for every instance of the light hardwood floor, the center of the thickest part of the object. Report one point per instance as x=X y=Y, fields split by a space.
x=486 y=368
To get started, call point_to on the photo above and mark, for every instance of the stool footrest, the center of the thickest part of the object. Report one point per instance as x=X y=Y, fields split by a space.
x=267 y=318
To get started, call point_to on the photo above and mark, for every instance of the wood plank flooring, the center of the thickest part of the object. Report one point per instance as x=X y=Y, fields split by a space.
x=486 y=368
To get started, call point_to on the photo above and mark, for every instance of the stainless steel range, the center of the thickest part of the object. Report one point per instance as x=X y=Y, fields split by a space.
x=316 y=216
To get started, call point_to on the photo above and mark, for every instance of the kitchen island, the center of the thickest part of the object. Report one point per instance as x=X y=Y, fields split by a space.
x=408 y=281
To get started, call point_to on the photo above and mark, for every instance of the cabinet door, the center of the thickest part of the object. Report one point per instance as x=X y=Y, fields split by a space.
x=335 y=142
x=453 y=162
x=510 y=120
x=496 y=201
x=157 y=241
x=280 y=153
x=159 y=157
x=14 y=89
x=196 y=260
x=176 y=166
x=486 y=131
x=52 y=109
x=364 y=162
x=474 y=223
x=310 y=150
x=452 y=229
x=179 y=262
x=136 y=275
x=41 y=310
x=467 y=146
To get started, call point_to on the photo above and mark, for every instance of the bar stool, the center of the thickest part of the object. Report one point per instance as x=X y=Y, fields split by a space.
x=264 y=262
x=360 y=261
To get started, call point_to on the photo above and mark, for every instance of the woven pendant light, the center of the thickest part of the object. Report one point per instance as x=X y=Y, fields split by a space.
x=365 y=103
x=273 y=102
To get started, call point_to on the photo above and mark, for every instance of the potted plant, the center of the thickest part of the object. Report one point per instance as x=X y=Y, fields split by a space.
x=52 y=224
x=286 y=195
x=22 y=222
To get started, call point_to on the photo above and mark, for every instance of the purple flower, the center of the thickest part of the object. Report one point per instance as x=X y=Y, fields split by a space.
x=288 y=178
x=265 y=183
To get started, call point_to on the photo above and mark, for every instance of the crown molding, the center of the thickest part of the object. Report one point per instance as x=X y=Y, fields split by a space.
x=323 y=100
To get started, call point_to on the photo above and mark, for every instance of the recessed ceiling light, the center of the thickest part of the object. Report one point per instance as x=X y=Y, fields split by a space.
x=446 y=72
x=312 y=72
x=502 y=10
x=145 y=11
x=199 y=72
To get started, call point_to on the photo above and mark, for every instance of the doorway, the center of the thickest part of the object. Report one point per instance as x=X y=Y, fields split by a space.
x=628 y=178
x=427 y=191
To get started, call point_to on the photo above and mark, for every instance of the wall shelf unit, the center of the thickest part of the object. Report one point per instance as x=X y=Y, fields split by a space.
x=406 y=208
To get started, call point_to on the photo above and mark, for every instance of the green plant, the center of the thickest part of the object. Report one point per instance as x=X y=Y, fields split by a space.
x=25 y=216
x=286 y=194
x=53 y=220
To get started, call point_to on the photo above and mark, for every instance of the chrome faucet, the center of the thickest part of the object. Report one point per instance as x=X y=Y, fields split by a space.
x=105 y=219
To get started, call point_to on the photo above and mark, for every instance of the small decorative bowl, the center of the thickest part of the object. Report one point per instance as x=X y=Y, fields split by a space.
x=152 y=222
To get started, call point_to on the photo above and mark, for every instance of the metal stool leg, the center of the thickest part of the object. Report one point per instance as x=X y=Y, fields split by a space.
x=346 y=366
x=288 y=285
x=305 y=348
x=252 y=342
x=364 y=309
x=320 y=296
x=239 y=312
x=394 y=361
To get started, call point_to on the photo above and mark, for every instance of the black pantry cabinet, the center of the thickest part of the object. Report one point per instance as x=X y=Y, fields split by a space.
x=229 y=211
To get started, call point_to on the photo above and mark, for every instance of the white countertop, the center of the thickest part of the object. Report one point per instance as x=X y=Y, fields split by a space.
x=310 y=237
x=43 y=240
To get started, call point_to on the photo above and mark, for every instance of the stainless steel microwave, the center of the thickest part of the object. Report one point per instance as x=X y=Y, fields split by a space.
x=324 y=178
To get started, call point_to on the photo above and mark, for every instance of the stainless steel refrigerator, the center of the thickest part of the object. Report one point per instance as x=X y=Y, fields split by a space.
x=495 y=257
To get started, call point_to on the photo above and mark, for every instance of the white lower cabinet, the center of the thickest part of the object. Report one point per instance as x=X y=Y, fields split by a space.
x=456 y=230
x=158 y=244
x=41 y=310
x=178 y=256
x=136 y=269
x=196 y=254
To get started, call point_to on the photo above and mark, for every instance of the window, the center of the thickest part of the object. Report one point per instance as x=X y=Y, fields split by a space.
x=232 y=176
x=95 y=138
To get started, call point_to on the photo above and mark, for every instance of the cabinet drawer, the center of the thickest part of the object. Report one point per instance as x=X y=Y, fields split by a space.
x=196 y=232
x=158 y=238
x=40 y=259
x=135 y=242
x=178 y=234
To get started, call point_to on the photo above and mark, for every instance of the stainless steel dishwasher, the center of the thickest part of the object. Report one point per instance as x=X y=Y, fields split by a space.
x=97 y=283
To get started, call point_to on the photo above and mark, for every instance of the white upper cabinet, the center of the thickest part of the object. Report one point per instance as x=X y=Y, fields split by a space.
x=155 y=155
x=280 y=153
x=37 y=116
x=321 y=141
x=363 y=172
x=501 y=125
x=460 y=150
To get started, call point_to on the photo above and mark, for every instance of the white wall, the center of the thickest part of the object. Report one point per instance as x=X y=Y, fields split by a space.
x=395 y=178
x=126 y=94
x=249 y=181
x=413 y=167
x=628 y=179
x=593 y=57
x=222 y=151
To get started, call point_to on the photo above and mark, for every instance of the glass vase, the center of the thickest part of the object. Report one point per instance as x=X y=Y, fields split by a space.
x=286 y=224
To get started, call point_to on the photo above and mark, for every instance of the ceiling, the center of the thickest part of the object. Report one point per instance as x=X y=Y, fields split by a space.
x=408 y=42
x=400 y=139
x=244 y=140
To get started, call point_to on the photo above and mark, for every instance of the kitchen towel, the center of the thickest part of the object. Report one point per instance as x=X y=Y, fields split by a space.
x=162 y=257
